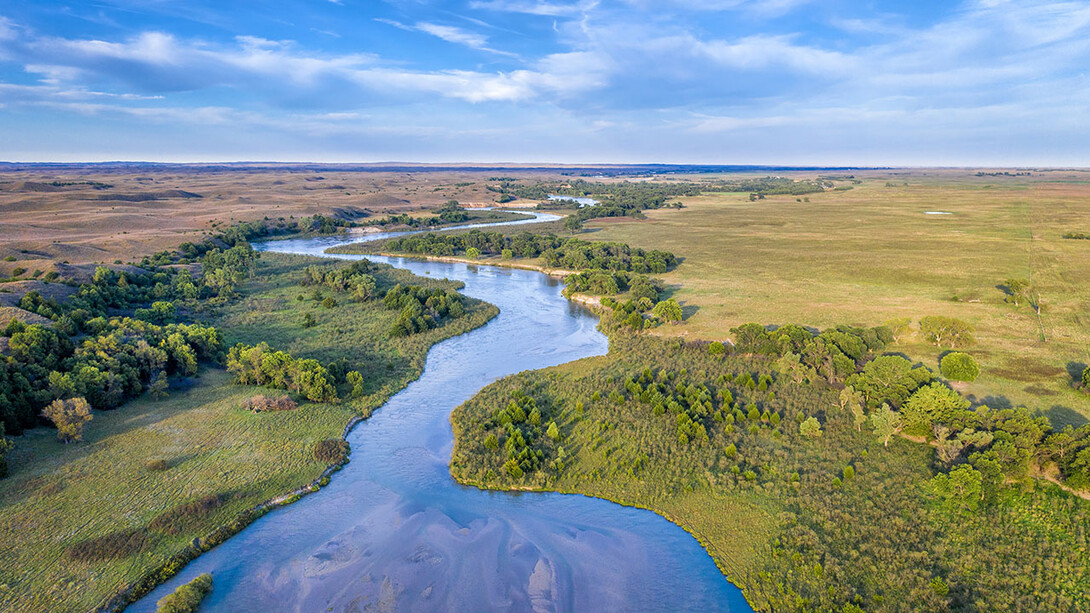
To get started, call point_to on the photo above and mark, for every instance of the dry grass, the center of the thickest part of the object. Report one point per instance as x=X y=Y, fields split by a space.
x=870 y=254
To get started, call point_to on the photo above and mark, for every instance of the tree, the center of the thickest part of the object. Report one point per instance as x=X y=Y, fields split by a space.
x=886 y=423
x=512 y=467
x=507 y=254
x=69 y=416
x=932 y=404
x=5 y=446
x=946 y=331
x=329 y=302
x=573 y=223
x=187 y=598
x=851 y=400
x=958 y=366
x=553 y=432
x=491 y=442
x=810 y=428
x=308 y=320
x=355 y=379
x=960 y=490
x=717 y=348
x=473 y=253
x=668 y=310
x=159 y=386
x=888 y=378
x=1086 y=378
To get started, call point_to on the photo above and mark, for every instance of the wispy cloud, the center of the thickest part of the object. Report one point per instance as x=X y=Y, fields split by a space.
x=451 y=34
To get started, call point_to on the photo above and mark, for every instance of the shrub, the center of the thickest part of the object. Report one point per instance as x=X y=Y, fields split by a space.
x=264 y=404
x=186 y=598
x=959 y=366
x=157 y=465
x=329 y=302
x=115 y=545
x=331 y=450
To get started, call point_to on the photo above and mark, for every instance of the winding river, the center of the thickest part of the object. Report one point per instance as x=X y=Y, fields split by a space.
x=394 y=532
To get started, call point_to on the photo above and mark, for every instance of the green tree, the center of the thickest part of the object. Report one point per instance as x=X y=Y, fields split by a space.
x=512 y=467
x=929 y=405
x=69 y=416
x=187 y=598
x=5 y=446
x=668 y=310
x=946 y=331
x=886 y=423
x=473 y=253
x=491 y=442
x=810 y=428
x=308 y=320
x=553 y=432
x=960 y=490
x=355 y=379
x=507 y=254
x=159 y=387
x=329 y=302
x=957 y=366
x=573 y=223
x=716 y=348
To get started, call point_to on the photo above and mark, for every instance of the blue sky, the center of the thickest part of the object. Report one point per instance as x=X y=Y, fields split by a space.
x=984 y=82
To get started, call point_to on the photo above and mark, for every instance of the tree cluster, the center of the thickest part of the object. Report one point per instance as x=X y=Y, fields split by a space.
x=261 y=365
x=353 y=279
x=421 y=308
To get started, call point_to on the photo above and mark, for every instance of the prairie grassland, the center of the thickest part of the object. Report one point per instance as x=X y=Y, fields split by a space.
x=60 y=495
x=872 y=254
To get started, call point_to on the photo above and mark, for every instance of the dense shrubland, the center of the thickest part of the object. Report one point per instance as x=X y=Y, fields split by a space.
x=882 y=489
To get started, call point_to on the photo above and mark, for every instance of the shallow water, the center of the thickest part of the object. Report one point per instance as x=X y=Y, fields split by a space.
x=393 y=531
x=582 y=200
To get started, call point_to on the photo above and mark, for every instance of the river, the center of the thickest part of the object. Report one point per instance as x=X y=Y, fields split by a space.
x=393 y=531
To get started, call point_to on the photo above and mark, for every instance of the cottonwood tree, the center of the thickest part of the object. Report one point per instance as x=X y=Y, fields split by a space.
x=668 y=310
x=946 y=331
x=886 y=423
x=69 y=416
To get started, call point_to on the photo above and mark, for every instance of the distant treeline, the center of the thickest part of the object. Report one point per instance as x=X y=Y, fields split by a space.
x=566 y=253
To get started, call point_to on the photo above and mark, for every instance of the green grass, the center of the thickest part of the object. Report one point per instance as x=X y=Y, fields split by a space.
x=59 y=495
x=792 y=535
x=869 y=255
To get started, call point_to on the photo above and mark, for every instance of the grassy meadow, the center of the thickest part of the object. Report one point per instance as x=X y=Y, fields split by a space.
x=871 y=254
x=148 y=459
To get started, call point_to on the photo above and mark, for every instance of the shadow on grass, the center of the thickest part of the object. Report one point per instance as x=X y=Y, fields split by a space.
x=1061 y=416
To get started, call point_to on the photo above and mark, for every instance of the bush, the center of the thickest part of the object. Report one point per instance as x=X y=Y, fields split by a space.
x=157 y=465
x=186 y=598
x=264 y=404
x=331 y=450
x=115 y=545
x=959 y=366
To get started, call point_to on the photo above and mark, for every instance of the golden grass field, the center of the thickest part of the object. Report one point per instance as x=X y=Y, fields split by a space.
x=871 y=254
x=144 y=210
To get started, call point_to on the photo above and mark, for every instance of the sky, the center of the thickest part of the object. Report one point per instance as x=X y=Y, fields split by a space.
x=782 y=82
